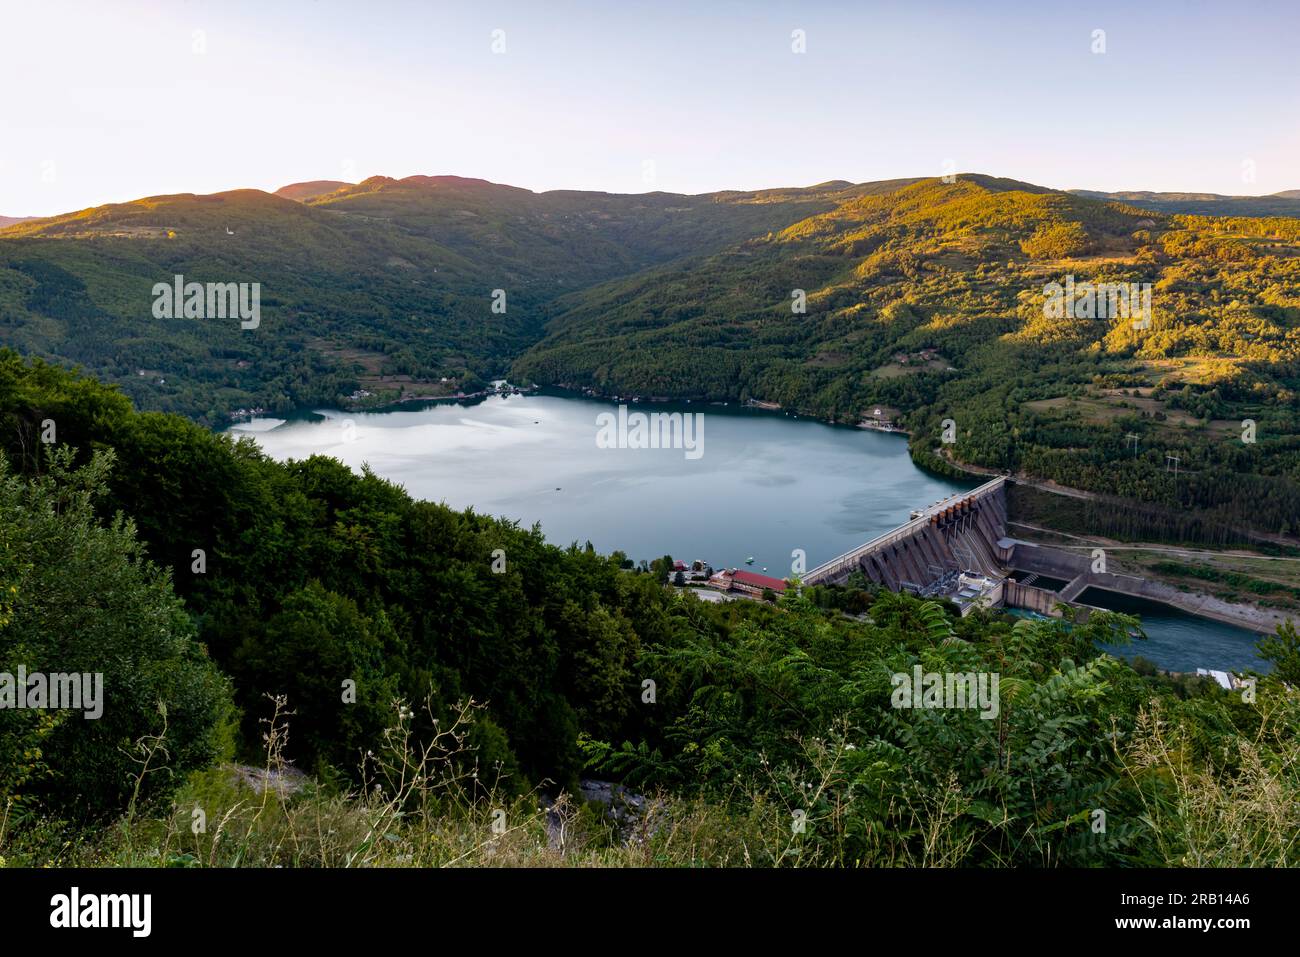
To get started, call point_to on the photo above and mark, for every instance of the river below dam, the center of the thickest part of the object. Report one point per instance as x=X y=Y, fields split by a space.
x=753 y=484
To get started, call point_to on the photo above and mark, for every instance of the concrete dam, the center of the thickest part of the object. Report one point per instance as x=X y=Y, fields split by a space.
x=964 y=534
x=959 y=549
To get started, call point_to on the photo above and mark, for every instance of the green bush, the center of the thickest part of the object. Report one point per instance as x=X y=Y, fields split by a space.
x=82 y=599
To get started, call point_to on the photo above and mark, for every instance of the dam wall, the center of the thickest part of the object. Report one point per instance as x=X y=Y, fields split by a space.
x=958 y=534
x=1032 y=598
x=937 y=551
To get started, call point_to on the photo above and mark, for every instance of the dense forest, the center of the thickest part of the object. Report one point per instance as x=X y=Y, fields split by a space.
x=929 y=302
x=436 y=674
x=330 y=672
x=923 y=298
x=387 y=285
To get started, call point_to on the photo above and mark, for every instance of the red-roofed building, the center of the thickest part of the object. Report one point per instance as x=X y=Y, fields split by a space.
x=750 y=583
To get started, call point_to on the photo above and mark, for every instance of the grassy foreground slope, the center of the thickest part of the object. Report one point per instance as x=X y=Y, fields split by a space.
x=928 y=302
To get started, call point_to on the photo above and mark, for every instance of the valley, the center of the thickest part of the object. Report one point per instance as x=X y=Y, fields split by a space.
x=448 y=438
x=922 y=297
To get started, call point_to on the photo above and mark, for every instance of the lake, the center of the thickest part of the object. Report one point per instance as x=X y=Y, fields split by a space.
x=759 y=484
x=763 y=484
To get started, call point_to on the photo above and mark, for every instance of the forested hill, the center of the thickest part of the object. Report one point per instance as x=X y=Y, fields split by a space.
x=922 y=298
x=929 y=303
x=386 y=285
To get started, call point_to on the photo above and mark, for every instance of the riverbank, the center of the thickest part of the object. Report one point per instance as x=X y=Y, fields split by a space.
x=1222 y=604
x=1155 y=586
x=405 y=400
x=882 y=427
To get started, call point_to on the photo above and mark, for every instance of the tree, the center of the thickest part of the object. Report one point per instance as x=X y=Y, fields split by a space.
x=331 y=663
x=1057 y=241
x=82 y=600
x=1283 y=650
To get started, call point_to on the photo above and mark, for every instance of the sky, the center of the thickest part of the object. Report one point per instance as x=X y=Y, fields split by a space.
x=110 y=101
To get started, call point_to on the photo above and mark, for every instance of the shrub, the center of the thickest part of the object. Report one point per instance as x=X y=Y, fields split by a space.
x=1057 y=241
x=82 y=599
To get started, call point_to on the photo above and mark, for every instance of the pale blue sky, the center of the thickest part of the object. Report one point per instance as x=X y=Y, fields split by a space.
x=107 y=101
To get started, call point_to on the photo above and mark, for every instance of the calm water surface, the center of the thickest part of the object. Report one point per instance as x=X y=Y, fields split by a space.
x=765 y=485
x=1179 y=641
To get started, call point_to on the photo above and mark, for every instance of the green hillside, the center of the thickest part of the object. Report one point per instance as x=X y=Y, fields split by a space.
x=924 y=299
x=928 y=301
x=385 y=285
x=478 y=689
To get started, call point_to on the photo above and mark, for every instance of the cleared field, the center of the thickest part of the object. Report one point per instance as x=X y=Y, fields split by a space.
x=1196 y=371
x=373 y=379
x=895 y=370
x=1111 y=405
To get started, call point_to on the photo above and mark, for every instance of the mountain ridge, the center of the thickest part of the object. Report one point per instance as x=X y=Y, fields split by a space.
x=924 y=297
x=308 y=191
x=1284 y=203
x=384 y=286
x=930 y=303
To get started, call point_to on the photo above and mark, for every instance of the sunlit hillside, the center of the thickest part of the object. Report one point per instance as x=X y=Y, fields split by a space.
x=929 y=301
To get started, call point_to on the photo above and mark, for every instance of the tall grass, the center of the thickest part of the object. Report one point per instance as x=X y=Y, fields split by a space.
x=426 y=803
